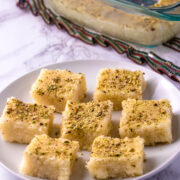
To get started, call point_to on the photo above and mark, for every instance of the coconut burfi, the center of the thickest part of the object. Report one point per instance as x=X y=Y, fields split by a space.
x=55 y=87
x=149 y=119
x=116 y=158
x=162 y=3
x=20 y=122
x=83 y=122
x=50 y=158
x=118 y=85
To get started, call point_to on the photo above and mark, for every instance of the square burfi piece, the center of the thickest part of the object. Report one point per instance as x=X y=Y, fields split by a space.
x=83 y=122
x=55 y=87
x=118 y=85
x=116 y=158
x=20 y=122
x=149 y=119
x=50 y=158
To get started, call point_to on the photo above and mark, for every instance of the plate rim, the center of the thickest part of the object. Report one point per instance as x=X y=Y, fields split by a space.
x=144 y=176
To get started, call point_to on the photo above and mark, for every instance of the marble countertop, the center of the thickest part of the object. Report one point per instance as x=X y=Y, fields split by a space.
x=27 y=43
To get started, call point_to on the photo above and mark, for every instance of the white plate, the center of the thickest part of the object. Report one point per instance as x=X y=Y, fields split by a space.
x=158 y=157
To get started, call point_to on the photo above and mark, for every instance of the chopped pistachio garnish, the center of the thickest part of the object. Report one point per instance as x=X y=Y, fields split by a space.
x=30 y=113
x=40 y=92
x=49 y=147
x=119 y=80
x=57 y=83
x=115 y=147
x=85 y=116
x=139 y=112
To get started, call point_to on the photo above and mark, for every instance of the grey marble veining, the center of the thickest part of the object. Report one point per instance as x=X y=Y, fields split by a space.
x=27 y=43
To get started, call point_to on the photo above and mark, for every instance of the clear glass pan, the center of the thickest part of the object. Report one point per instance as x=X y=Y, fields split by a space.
x=170 y=12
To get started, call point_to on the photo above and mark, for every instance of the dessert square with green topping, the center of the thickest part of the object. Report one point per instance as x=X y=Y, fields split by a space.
x=20 y=122
x=118 y=85
x=116 y=158
x=50 y=158
x=55 y=87
x=83 y=122
x=149 y=119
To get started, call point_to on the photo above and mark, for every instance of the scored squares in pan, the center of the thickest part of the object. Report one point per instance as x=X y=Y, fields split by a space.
x=20 y=121
x=55 y=87
x=116 y=158
x=149 y=119
x=83 y=122
x=51 y=158
x=118 y=85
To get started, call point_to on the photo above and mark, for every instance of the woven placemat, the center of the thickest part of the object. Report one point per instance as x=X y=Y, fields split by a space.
x=157 y=63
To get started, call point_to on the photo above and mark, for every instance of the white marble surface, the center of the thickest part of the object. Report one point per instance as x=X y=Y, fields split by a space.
x=27 y=43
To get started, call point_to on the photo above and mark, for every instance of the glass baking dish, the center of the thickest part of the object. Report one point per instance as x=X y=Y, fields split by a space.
x=163 y=9
x=119 y=23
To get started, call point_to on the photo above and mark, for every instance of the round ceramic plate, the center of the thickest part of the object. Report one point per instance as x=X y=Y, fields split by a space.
x=157 y=157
